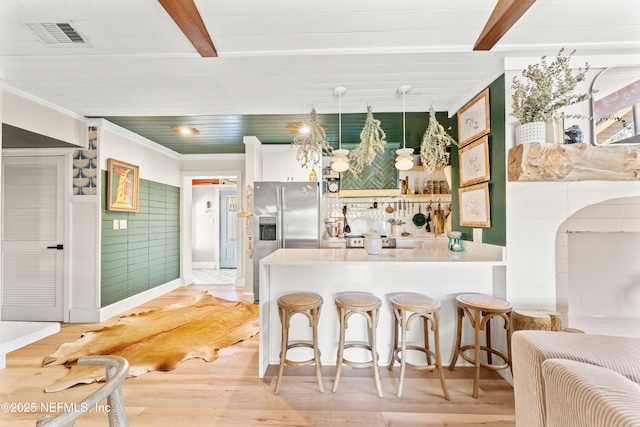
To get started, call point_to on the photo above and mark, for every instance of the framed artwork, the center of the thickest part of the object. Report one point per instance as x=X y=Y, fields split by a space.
x=473 y=119
x=122 y=186
x=474 y=206
x=474 y=162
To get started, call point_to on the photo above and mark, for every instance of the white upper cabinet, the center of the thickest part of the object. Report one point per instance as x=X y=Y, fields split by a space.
x=279 y=163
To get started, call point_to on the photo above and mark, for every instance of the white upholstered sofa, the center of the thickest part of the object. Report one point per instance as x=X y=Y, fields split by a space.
x=568 y=379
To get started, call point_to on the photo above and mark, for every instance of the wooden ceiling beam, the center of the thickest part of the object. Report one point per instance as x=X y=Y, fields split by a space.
x=205 y=181
x=186 y=16
x=503 y=17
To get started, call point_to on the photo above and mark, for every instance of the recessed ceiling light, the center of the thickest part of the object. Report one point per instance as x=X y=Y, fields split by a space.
x=185 y=130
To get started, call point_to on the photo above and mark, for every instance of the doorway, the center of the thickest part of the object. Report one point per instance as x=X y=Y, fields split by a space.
x=214 y=223
x=32 y=238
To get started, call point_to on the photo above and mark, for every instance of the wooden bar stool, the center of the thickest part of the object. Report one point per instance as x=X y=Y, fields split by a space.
x=480 y=309
x=308 y=304
x=429 y=310
x=367 y=305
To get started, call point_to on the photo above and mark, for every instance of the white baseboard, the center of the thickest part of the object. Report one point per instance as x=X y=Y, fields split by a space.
x=240 y=282
x=248 y=297
x=202 y=265
x=84 y=315
x=138 y=299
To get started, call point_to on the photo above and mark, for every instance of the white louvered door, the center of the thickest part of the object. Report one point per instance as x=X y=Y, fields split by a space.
x=32 y=230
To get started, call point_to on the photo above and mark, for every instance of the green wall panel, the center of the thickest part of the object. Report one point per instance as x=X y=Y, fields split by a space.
x=147 y=253
x=113 y=294
x=497 y=233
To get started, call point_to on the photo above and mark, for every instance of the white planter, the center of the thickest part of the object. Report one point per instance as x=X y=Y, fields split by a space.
x=531 y=132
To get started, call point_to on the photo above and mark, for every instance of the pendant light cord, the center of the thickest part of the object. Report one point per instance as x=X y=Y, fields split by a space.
x=340 y=121
x=404 y=122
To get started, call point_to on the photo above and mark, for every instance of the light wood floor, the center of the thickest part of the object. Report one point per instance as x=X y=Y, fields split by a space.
x=228 y=392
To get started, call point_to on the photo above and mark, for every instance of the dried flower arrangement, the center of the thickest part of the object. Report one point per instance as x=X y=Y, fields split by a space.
x=311 y=145
x=433 y=148
x=372 y=139
x=546 y=88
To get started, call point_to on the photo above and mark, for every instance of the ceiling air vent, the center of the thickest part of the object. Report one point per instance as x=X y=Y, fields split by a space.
x=58 y=34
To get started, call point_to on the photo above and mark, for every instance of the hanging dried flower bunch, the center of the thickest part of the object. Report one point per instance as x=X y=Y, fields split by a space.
x=433 y=148
x=311 y=145
x=372 y=139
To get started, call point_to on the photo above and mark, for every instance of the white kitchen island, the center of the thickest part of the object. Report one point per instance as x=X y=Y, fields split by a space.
x=431 y=270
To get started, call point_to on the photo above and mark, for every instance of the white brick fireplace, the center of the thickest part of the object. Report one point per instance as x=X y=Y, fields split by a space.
x=574 y=247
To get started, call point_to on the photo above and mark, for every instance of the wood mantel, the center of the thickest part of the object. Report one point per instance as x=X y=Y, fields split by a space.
x=573 y=162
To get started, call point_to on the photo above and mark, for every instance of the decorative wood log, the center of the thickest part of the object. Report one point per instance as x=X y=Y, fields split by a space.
x=573 y=162
x=556 y=320
x=531 y=320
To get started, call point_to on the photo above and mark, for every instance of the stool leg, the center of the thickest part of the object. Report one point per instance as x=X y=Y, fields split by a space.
x=426 y=338
x=488 y=338
x=509 y=331
x=284 y=319
x=436 y=343
x=374 y=351
x=394 y=347
x=456 y=351
x=403 y=350
x=341 y=315
x=476 y=378
x=315 y=315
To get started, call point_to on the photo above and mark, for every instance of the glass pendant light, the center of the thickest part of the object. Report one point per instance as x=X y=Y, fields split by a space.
x=339 y=161
x=404 y=161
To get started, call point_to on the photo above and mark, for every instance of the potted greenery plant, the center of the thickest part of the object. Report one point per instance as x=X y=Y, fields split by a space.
x=541 y=91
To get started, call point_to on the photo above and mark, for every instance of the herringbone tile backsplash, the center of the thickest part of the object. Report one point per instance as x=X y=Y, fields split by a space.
x=381 y=174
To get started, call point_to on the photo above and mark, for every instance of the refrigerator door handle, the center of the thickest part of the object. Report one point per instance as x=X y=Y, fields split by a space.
x=280 y=204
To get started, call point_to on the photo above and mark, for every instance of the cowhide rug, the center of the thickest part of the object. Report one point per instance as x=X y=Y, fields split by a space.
x=159 y=339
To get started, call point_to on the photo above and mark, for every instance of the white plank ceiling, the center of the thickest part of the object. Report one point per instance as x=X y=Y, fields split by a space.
x=285 y=56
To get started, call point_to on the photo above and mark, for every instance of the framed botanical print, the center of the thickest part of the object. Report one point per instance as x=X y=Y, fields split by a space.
x=473 y=119
x=474 y=206
x=474 y=162
x=122 y=186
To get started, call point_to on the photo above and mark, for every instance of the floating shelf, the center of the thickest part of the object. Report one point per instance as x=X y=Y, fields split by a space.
x=331 y=175
x=573 y=162
x=391 y=193
x=420 y=168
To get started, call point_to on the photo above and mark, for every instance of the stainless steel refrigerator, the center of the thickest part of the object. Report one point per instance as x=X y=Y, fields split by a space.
x=285 y=215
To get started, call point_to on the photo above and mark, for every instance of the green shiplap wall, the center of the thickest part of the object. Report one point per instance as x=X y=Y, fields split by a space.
x=497 y=233
x=147 y=253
